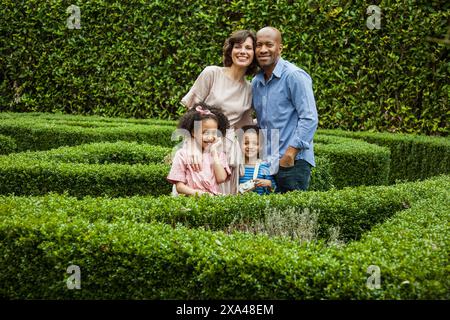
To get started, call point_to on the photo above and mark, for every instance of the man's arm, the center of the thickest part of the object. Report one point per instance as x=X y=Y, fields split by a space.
x=302 y=97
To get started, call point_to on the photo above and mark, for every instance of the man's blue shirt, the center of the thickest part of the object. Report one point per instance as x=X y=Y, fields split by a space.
x=286 y=102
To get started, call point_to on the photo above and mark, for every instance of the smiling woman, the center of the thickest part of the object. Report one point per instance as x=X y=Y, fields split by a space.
x=226 y=88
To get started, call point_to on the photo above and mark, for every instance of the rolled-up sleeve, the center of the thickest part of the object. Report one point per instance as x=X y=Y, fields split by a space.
x=200 y=89
x=302 y=96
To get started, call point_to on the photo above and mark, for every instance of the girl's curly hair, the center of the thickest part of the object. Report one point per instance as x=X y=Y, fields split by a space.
x=199 y=112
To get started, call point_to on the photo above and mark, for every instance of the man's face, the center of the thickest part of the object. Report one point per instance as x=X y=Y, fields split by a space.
x=268 y=48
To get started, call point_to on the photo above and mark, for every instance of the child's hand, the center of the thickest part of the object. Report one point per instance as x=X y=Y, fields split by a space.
x=263 y=183
x=216 y=147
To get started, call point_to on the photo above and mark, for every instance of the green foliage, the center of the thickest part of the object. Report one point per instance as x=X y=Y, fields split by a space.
x=354 y=163
x=108 y=169
x=412 y=157
x=106 y=153
x=42 y=134
x=117 y=169
x=80 y=120
x=412 y=251
x=353 y=210
x=129 y=260
x=321 y=175
x=7 y=144
x=138 y=58
x=145 y=247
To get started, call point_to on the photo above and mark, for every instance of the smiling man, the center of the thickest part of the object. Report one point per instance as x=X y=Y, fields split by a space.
x=283 y=100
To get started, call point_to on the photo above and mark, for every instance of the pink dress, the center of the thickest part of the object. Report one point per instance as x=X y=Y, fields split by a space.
x=204 y=180
x=215 y=88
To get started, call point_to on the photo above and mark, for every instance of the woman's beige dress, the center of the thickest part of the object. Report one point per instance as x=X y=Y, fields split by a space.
x=215 y=88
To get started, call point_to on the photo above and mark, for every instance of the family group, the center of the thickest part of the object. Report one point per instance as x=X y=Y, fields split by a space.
x=229 y=152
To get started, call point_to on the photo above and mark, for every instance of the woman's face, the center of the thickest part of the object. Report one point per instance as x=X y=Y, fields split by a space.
x=243 y=53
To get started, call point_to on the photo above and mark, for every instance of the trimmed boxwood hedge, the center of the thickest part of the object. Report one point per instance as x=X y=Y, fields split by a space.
x=7 y=144
x=129 y=260
x=369 y=163
x=106 y=153
x=81 y=119
x=31 y=177
x=353 y=163
x=353 y=210
x=114 y=169
x=103 y=169
x=413 y=157
x=43 y=135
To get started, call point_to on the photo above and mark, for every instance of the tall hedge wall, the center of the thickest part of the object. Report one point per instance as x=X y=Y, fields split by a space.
x=139 y=57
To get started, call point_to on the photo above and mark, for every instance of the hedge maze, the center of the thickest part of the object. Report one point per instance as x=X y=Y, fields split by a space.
x=91 y=192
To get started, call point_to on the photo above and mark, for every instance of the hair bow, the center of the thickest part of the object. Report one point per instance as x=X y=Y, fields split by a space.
x=202 y=111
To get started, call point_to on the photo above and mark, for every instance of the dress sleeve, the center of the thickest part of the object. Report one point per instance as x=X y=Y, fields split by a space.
x=201 y=88
x=178 y=170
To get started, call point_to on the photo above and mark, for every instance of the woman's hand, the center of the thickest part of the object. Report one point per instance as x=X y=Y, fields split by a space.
x=194 y=155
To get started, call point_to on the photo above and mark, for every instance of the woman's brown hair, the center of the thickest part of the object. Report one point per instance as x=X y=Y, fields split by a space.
x=239 y=37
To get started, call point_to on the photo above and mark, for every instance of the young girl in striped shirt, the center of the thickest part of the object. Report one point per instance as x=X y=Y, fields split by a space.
x=264 y=183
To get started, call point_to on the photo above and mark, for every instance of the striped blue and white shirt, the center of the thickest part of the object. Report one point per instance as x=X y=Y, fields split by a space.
x=263 y=173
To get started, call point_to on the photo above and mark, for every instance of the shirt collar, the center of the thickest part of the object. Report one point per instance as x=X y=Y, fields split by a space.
x=276 y=72
x=279 y=68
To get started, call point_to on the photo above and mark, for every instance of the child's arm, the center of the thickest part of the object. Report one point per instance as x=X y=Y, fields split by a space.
x=177 y=175
x=263 y=183
x=182 y=188
x=268 y=181
x=219 y=170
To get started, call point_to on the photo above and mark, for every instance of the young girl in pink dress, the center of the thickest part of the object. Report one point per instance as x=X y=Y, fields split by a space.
x=204 y=126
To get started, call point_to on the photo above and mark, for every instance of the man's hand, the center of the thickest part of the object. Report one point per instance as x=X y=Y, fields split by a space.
x=288 y=159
